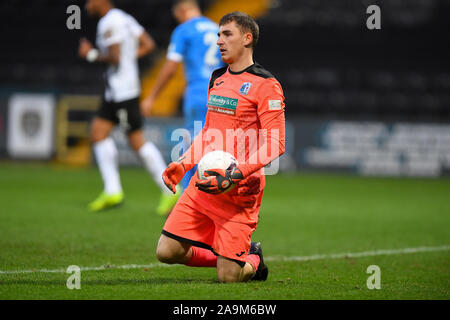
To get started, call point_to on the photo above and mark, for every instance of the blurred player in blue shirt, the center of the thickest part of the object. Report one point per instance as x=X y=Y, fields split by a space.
x=194 y=43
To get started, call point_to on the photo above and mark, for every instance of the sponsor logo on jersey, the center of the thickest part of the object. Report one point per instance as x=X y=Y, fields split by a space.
x=274 y=104
x=219 y=83
x=222 y=104
x=245 y=88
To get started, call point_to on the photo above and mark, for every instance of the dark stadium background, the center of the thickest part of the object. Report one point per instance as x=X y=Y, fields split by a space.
x=331 y=66
x=298 y=40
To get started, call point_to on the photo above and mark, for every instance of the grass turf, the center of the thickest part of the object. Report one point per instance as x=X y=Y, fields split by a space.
x=44 y=224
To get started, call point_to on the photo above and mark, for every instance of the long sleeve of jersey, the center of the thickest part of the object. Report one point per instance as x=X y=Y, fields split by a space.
x=194 y=153
x=272 y=120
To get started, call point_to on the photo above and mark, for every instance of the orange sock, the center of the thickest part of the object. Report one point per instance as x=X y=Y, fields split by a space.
x=254 y=260
x=202 y=258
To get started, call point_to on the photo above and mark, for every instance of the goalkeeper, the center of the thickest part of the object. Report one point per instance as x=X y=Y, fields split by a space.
x=209 y=227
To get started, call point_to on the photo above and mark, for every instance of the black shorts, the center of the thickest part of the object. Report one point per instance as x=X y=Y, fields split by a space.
x=125 y=113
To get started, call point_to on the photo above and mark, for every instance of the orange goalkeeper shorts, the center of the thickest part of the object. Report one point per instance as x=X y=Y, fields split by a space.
x=200 y=228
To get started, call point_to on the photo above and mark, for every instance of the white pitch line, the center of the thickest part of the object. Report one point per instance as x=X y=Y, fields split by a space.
x=103 y=267
x=360 y=254
x=280 y=258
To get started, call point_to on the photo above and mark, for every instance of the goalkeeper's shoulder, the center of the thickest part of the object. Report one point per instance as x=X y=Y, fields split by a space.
x=268 y=83
x=216 y=74
x=259 y=71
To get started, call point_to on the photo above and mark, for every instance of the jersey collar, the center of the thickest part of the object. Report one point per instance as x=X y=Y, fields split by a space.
x=242 y=71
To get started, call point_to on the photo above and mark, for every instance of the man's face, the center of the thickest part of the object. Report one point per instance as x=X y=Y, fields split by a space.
x=232 y=42
x=178 y=13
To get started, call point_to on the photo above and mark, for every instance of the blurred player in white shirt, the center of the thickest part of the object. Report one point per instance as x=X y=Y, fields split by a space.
x=120 y=41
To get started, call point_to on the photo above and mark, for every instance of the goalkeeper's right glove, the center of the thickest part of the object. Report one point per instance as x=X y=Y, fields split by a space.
x=221 y=180
x=173 y=175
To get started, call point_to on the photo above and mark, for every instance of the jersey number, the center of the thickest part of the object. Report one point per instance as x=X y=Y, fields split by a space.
x=210 y=39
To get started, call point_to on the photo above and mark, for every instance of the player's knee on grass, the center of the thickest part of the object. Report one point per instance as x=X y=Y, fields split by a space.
x=228 y=270
x=171 y=251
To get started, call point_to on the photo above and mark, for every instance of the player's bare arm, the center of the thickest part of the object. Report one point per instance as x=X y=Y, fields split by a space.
x=146 y=44
x=87 y=51
x=167 y=72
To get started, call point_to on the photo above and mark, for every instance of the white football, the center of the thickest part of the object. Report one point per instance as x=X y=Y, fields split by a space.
x=216 y=160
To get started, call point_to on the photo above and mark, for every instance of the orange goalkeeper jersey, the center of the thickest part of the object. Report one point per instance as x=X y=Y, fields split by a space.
x=246 y=118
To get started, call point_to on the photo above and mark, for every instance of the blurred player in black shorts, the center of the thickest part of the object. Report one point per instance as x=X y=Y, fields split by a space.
x=121 y=40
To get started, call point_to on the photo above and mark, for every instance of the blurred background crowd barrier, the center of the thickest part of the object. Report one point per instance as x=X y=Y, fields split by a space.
x=371 y=102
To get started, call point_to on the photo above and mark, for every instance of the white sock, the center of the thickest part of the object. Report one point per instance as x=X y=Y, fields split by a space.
x=106 y=154
x=154 y=163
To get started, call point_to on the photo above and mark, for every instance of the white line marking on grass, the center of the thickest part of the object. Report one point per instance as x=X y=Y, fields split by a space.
x=104 y=267
x=280 y=258
x=360 y=254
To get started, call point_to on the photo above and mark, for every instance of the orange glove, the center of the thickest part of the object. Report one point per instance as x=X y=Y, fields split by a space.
x=173 y=175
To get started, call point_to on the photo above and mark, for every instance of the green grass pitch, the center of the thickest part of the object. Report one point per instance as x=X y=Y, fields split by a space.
x=44 y=224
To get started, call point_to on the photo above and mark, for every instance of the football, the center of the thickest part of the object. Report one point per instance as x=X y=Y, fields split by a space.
x=217 y=159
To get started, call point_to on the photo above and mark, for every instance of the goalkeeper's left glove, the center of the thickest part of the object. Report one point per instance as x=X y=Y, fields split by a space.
x=221 y=180
x=173 y=175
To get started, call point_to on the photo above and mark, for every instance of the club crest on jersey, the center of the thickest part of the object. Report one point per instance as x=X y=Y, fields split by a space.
x=245 y=88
